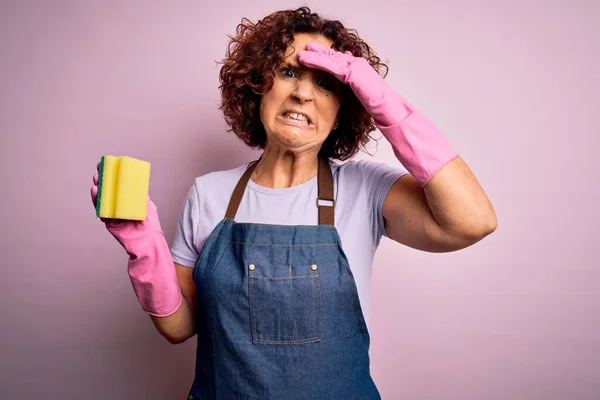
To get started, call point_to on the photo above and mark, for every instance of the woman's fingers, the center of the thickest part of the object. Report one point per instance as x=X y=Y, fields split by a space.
x=320 y=48
x=94 y=193
x=316 y=60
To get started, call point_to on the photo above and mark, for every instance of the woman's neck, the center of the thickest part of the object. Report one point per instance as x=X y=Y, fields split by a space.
x=280 y=168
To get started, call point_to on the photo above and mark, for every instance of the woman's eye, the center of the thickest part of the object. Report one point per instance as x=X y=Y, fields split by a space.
x=290 y=73
x=326 y=83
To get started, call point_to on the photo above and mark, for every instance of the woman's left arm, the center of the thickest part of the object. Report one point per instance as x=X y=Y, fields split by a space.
x=449 y=213
x=440 y=206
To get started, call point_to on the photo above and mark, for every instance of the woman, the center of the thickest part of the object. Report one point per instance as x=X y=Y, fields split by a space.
x=271 y=262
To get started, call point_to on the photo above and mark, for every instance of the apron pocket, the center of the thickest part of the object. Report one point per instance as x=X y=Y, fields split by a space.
x=284 y=309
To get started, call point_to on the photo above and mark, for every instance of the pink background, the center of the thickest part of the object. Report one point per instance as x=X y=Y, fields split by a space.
x=514 y=84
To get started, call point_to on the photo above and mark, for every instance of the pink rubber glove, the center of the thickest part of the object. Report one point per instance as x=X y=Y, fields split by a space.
x=150 y=265
x=417 y=143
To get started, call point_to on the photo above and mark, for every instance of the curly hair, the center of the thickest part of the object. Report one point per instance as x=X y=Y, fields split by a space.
x=254 y=54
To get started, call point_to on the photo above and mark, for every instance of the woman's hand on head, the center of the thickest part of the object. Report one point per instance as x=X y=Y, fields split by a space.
x=366 y=83
x=329 y=60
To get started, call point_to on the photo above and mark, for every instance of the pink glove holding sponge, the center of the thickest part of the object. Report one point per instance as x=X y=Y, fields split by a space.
x=417 y=143
x=150 y=266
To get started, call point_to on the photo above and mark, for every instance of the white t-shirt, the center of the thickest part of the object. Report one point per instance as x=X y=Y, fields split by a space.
x=360 y=187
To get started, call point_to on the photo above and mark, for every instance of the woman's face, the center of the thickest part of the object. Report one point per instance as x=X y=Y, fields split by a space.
x=302 y=106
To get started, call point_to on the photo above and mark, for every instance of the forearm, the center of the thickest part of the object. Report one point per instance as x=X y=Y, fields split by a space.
x=456 y=200
x=179 y=326
x=458 y=203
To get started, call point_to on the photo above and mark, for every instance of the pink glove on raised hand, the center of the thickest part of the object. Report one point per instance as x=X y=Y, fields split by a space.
x=150 y=266
x=417 y=143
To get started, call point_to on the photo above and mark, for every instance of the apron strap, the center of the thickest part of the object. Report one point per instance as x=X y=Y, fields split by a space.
x=325 y=192
x=238 y=192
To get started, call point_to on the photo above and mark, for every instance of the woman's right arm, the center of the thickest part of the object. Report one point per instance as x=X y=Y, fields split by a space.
x=164 y=289
x=181 y=325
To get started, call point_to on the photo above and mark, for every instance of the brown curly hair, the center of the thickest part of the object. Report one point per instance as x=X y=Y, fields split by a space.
x=257 y=51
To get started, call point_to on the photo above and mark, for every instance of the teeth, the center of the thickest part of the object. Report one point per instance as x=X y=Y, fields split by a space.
x=296 y=116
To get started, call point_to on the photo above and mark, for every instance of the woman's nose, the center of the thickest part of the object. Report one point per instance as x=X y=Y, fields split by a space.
x=304 y=90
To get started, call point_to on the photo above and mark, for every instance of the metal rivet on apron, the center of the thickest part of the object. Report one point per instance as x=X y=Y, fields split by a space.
x=251 y=267
x=313 y=267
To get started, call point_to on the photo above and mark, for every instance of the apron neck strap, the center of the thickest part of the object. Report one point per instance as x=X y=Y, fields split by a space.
x=325 y=200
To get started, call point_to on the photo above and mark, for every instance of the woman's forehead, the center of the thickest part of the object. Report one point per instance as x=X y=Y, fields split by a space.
x=302 y=39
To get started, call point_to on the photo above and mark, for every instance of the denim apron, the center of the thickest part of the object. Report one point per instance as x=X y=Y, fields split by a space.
x=278 y=314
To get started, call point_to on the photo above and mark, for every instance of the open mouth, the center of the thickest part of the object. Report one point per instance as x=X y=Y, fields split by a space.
x=294 y=116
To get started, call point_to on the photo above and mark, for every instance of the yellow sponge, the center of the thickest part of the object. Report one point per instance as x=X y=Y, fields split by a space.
x=123 y=184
